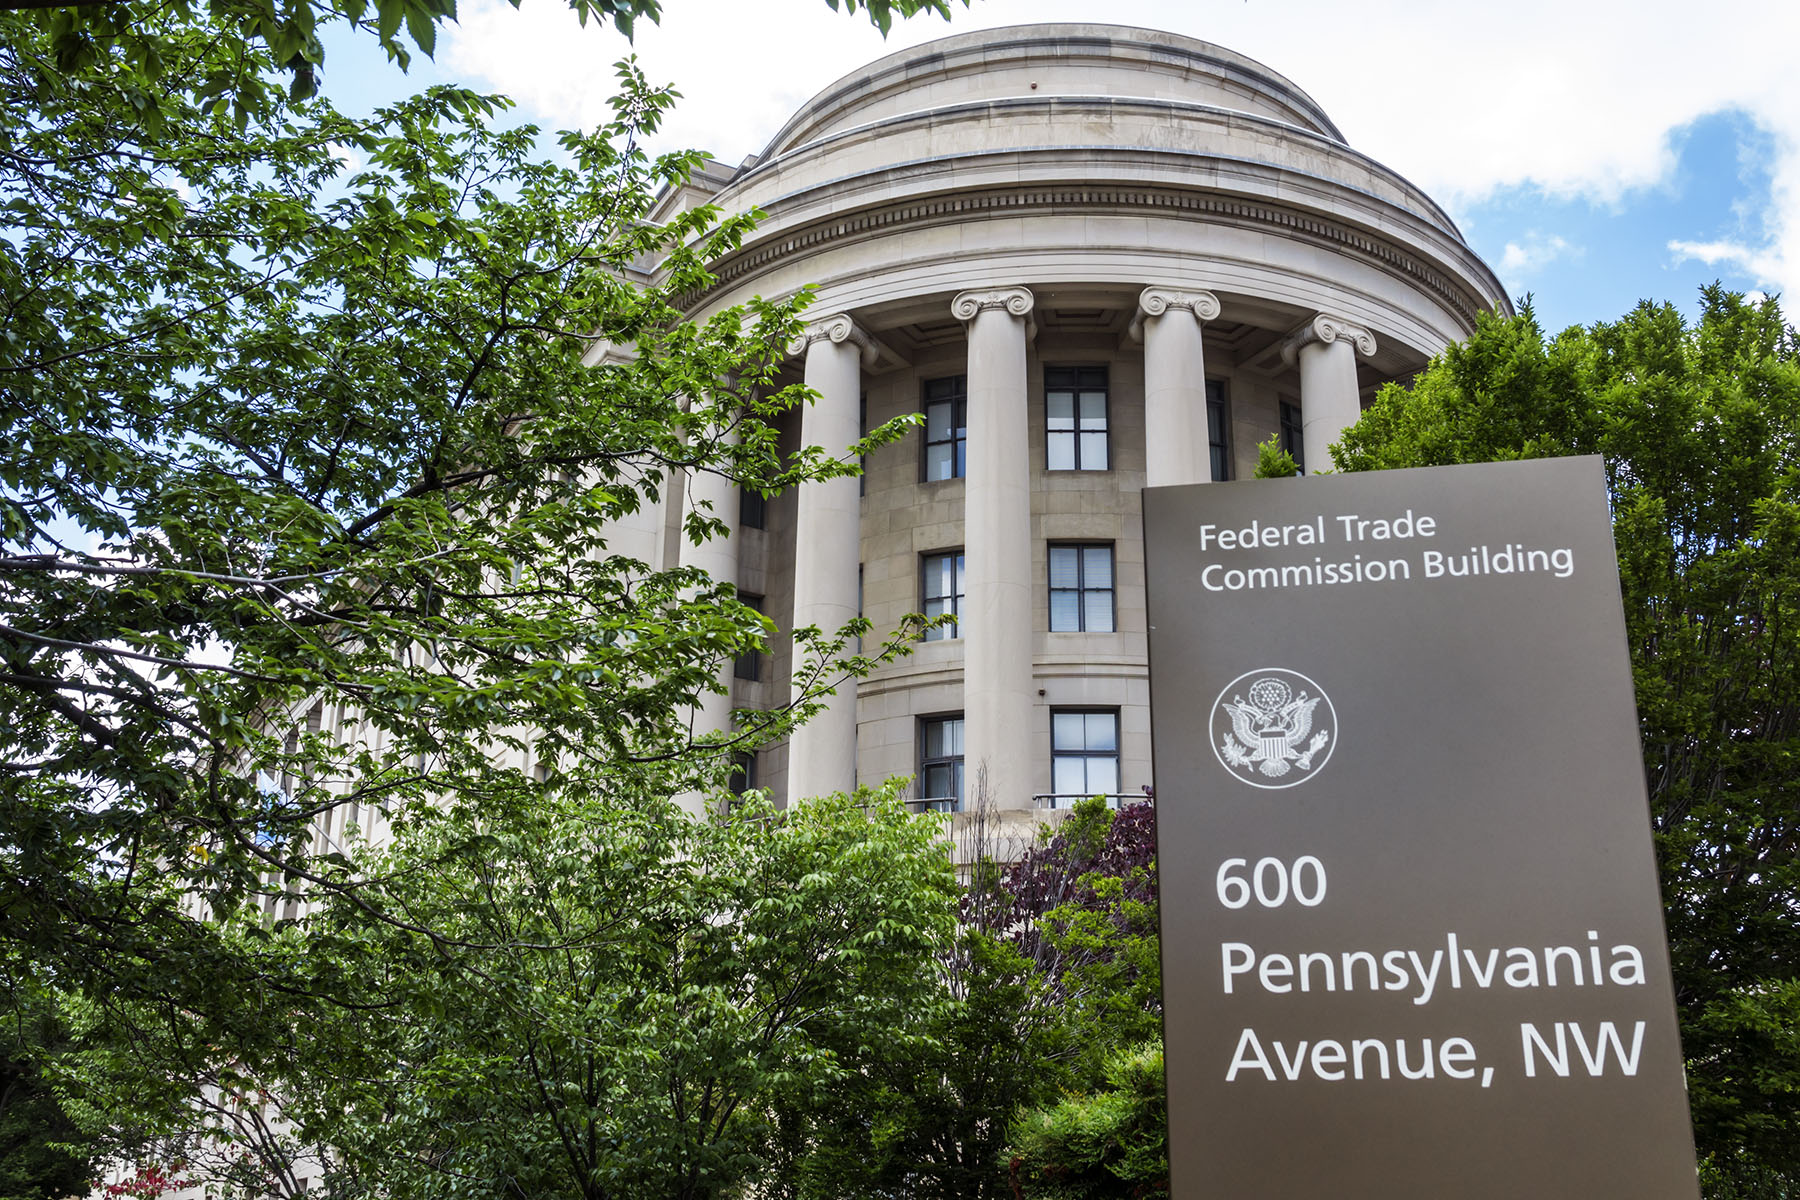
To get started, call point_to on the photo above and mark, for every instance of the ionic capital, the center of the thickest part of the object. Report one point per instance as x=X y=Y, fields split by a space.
x=1155 y=301
x=1016 y=300
x=837 y=329
x=1326 y=329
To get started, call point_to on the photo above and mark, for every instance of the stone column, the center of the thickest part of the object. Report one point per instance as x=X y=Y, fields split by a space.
x=1326 y=348
x=996 y=622
x=828 y=549
x=1177 y=448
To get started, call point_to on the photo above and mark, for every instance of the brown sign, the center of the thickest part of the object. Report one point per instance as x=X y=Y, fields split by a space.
x=1412 y=938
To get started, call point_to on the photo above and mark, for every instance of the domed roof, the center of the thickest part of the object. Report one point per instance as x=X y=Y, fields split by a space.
x=1047 y=61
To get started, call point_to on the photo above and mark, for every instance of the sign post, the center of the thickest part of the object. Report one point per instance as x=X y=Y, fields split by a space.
x=1411 y=932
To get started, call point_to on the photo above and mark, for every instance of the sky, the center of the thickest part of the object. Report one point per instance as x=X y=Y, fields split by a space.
x=1593 y=153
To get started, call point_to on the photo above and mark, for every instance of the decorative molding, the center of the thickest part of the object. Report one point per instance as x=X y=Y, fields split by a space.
x=1016 y=301
x=837 y=329
x=1066 y=201
x=1155 y=301
x=1326 y=329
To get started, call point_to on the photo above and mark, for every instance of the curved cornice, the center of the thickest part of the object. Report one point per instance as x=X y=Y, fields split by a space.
x=1064 y=200
x=983 y=49
x=1018 y=111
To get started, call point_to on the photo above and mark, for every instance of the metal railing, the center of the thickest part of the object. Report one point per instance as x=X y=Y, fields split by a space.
x=1069 y=799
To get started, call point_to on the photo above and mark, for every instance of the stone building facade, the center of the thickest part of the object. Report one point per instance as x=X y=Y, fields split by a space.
x=1096 y=259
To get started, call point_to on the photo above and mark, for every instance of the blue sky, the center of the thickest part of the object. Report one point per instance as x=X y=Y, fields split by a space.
x=1595 y=154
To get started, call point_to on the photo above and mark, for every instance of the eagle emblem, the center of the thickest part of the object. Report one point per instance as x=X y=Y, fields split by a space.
x=1278 y=734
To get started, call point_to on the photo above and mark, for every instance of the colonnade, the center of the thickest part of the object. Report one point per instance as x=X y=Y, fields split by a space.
x=998 y=689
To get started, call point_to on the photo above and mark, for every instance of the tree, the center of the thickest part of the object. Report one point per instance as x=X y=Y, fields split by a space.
x=1054 y=967
x=1700 y=428
x=1113 y=1142
x=305 y=492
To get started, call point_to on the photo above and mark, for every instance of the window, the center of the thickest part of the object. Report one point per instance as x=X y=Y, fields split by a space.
x=1292 y=439
x=1081 y=588
x=941 y=763
x=946 y=427
x=753 y=509
x=943 y=592
x=743 y=773
x=1084 y=754
x=1218 y=429
x=749 y=664
x=1075 y=418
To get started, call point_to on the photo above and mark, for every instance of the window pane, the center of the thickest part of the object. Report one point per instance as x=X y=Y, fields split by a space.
x=1065 y=612
x=937 y=422
x=1093 y=452
x=1102 y=776
x=1059 y=410
x=962 y=464
x=1098 y=609
x=1064 y=568
x=939 y=781
x=1068 y=776
x=938 y=461
x=1102 y=730
x=1068 y=731
x=1096 y=563
x=1093 y=410
x=1061 y=452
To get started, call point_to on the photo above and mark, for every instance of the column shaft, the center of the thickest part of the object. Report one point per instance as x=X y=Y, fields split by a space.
x=1329 y=403
x=827 y=551
x=997 y=674
x=718 y=557
x=1177 y=443
x=1325 y=350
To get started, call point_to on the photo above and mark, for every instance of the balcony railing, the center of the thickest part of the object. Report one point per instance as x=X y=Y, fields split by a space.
x=1069 y=799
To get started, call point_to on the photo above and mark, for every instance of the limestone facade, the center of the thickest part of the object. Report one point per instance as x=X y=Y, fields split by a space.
x=1097 y=258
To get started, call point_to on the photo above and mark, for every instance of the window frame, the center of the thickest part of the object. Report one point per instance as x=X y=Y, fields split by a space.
x=1084 y=753
x=1293 y=432
x=955 y=389
x=1081 y=589
x=1218 y=429
x=959 y=580
x=927 y=761
x=748 y=665
x=1081 y=383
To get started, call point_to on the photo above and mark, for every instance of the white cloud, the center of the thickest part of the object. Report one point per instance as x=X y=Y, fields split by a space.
x=1535 y=252
x=1578 y=98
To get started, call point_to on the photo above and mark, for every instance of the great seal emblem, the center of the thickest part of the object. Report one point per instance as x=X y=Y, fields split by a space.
x=1273 y=728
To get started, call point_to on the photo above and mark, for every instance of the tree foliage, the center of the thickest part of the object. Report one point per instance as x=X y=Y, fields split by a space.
x=1700 y=428
x=307 y=498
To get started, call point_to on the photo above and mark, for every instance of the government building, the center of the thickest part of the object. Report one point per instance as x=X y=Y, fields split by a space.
x=1095 y=259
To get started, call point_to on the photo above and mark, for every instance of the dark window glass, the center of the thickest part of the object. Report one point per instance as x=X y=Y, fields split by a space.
x=942 y=591
x=1081 y=588
x=941 y=763
x=743 y=773
x=752 y=508
x=749 y=664
x=1084 y=754
x=1218 y=429
x=1292 y=439
x=946 y=428
x=1075 y=419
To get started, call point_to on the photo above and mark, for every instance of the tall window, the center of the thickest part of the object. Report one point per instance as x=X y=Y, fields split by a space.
x=749 y=664
x=1075 y=418
x=946 y=427
x=1084 y=754
x=943 y=592
x=1292 y=439
x=1081 y=588
x=1218 y=429
x=941 y=763
x=753 y=509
